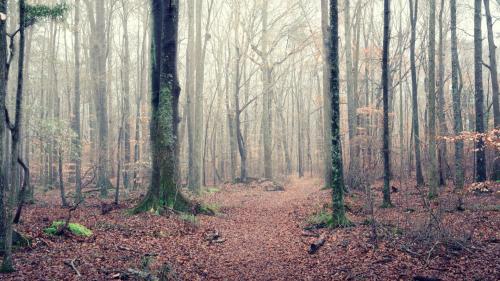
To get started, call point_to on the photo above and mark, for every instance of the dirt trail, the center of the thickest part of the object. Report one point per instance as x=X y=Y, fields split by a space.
x=263 y=237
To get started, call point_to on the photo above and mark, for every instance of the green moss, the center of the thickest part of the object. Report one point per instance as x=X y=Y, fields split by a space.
x=209 y=209
x=387 y=205
x=75 y=228
x=339 y=222
x=210 y=190
x=320 y=219
x=188 y=218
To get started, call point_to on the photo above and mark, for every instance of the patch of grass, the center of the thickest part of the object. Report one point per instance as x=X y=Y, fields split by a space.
x=210 y=209
x=188 y=218
x=75 y=228
x=320 y=219
x=210 y=190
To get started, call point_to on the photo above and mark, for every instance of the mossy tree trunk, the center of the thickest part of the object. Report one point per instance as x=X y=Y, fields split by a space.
x=339 y=218
x=165 y=91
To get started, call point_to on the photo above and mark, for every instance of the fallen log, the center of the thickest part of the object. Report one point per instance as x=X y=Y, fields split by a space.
x=314 y=247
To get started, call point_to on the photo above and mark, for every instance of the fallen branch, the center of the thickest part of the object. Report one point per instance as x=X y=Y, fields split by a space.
x=71 y=263
x=22 y=192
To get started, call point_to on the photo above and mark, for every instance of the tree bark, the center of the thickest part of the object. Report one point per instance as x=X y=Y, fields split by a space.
x=385 y=88
x=479 y=95
x=165 y=90
x=493 y=65
x=339 y=218
x=457 y=106
x=431 y=87
x=75 y=121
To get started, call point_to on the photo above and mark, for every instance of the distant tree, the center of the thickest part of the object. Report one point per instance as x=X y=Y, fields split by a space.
x=165 y=90
x=431 y=87
x=339 y=218
x=414 y=90
x=385 y=92
x=494 y=82
x=457 y=107
x=75 y=121
x=479 y=95
x=493 y=65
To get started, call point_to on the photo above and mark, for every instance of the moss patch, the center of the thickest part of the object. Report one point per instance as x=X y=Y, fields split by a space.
x=75 y=228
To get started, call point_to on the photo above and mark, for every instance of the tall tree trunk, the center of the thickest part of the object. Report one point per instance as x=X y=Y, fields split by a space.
x=267 y=70
x=75 y=121
x=165 y=91
x=16 y=130
x=431 y=87
x=351 y=106
x=195 y=182
x=339 y=218
x=190 y=91
x=479 y=95
x=414 y=87
x=494 y=84
x=493 y=65
x=385 y=88
x=457 y=106
x=126 y=95
x=326 y=94
x=443 y=129
x=101 y=99
x=4 y=184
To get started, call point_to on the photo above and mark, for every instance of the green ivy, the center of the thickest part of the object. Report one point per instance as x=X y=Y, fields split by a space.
x=38 y=12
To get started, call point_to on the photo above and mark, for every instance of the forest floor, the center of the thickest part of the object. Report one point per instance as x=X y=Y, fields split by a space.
x=260 y=235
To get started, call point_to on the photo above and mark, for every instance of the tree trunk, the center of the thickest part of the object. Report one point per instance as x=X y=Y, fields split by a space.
x=339 y=218
x=101 y=99
x=16 y=130
x=385 y=88
x=267 y=96
x=4 y=184
x=443 y=129
x=457 y=107
x=126 y=96
x=326 y=94
x=431 y=79
x=493 y=65
x=75 y=121
x=414 y=87
x=479 y=98
x=165 y=91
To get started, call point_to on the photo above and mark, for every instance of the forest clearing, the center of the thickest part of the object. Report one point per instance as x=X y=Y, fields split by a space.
x=157 y=140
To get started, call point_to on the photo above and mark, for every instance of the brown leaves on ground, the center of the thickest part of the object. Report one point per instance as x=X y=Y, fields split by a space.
x=260 y=236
